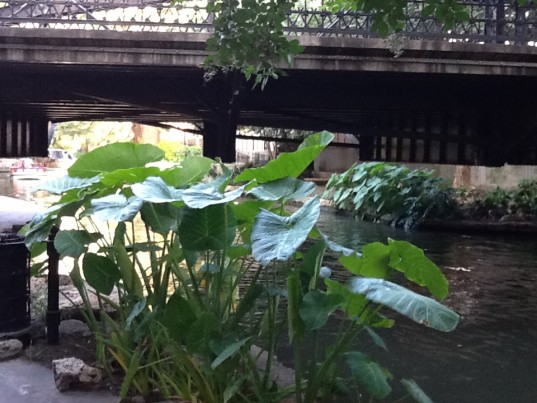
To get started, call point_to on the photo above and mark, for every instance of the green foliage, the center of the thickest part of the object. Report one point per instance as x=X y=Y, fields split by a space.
x=525 y=197
x=392 y=193
x=248 y=37
x=175 y=151
x=84 y=136
x=200 y=274
x=249 y=34
x=496 y=203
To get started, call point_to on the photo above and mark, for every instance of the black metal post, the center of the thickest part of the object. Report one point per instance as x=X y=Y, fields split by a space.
x=53 y=300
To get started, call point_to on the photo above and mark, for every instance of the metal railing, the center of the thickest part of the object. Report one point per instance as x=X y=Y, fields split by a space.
x=491 y=21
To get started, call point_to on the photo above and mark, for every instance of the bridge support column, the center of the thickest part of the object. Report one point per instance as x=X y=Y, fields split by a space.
x=220 y=130
x=23 y=137
x=219 y=140
x=366 y=151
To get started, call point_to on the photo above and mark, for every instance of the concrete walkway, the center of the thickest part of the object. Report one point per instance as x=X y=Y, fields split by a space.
x=16 y=212
x=23 y=381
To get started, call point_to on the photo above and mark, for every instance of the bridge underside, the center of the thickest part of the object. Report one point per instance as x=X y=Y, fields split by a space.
x=437 y=118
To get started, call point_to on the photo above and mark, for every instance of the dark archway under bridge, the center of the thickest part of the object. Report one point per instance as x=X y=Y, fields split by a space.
x=437 y=102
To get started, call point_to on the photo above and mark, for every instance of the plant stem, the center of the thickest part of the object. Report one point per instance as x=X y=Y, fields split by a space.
x=298 y=372
x=342 y=343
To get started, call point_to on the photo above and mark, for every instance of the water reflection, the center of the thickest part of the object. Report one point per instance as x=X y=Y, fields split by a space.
x=24 y=188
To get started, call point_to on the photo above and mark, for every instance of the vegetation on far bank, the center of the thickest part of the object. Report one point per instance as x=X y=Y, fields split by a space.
x=394 y=194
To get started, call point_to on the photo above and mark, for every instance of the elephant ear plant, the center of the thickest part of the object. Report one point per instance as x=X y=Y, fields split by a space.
x=195 y=276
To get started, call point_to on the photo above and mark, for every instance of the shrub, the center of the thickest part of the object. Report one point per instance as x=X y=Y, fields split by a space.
x=175 y=151
x=525 y=197
x=394 y=193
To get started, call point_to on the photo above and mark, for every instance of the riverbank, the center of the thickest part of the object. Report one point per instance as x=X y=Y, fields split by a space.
x=511 y=224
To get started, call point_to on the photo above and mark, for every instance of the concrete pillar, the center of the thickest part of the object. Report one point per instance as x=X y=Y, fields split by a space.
x=219 y=140
x=23 y=137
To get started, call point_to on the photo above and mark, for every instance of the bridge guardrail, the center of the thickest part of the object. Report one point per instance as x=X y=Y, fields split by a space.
x=491 y=21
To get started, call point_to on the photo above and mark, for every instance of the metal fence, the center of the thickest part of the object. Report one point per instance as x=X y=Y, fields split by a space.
x=491 y=21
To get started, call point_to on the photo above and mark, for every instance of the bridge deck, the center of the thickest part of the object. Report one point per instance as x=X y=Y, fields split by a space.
x=427 y=100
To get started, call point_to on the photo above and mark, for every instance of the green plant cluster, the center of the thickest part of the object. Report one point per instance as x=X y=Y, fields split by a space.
x=210 y=271
x=175 y=151
x=391 y=193
x=499 y=202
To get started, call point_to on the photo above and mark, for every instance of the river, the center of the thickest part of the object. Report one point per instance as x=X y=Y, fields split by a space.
x=492 y=355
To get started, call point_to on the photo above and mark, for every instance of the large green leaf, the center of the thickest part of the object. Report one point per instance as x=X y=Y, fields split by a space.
x=115 y=207
x=284 y=189
x=411 y=260
x=353 y=304
x=228 y=351
x=129 y=175
x=178 y=317
x=100 y=272
x=39 y=227
x=419 y=308
x=200 y=197
x=373 y=262
x=247 y=210
x=210 y=228
x=277 y=237
x=289 y=164
x=317 y=307
x=415 y=391
x=368 y=374
x=192 y=170
x=155 y=190
x=201 y=331
x=61 y=185
x=74 y=243
x=161 y=217
x=114 y=156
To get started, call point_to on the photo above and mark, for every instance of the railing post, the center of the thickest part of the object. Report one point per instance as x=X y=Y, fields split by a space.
x=490 y=26
x=521 y=26
x=53 y=297
x=500 y=20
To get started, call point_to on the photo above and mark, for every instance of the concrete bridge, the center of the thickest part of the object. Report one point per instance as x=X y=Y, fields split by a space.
x=432 y=96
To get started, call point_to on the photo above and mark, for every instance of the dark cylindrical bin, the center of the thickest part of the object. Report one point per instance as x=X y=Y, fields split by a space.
x=14 y=283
